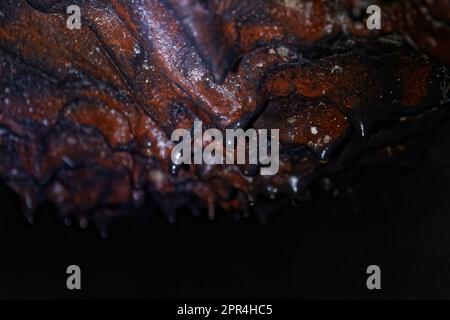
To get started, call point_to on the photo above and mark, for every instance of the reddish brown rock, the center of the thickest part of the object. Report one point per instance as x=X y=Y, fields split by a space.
x=86 y=115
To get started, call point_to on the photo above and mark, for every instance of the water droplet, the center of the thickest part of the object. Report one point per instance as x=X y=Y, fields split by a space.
x=67 y=221
x=174 y=169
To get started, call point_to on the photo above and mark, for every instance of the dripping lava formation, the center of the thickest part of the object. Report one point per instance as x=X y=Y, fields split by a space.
x=86 y=115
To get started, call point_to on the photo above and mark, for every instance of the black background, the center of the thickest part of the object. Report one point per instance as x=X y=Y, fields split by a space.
x=320 y=250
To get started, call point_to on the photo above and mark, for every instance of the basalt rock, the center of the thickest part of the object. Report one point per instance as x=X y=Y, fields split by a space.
x=86 y=115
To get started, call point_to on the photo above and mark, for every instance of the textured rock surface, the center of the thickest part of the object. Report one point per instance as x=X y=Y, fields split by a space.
x=86 y=115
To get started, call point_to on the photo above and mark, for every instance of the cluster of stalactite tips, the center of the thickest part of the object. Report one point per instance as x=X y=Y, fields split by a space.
x=86 y=115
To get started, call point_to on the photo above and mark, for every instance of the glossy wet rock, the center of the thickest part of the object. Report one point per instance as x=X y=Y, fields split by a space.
x=86 y=115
